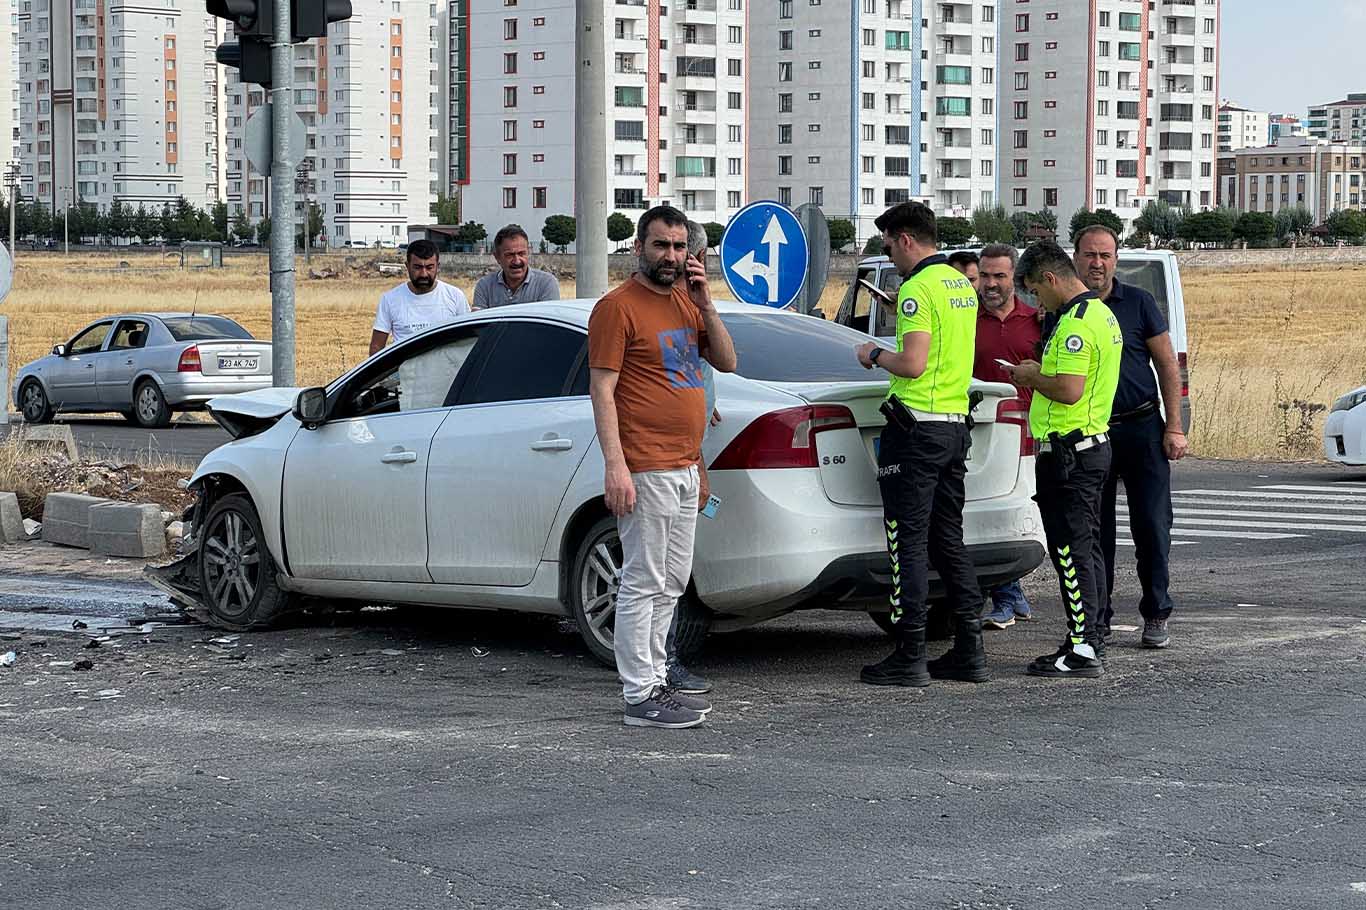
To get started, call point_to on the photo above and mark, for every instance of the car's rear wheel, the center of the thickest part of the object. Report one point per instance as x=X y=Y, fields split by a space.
x=938 y=624
x=236 y=571
x=149 y=406
x=593 y=596
x=33 y=401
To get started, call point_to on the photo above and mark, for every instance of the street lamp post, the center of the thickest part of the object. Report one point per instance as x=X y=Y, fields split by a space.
x=12 y=175
x=66 y=226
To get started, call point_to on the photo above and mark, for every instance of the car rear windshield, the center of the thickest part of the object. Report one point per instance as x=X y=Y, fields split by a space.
x=204 y=328
x=1150 y=275
x=788 y=348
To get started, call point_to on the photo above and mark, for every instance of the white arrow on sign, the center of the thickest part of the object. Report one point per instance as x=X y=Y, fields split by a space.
x=748 y=269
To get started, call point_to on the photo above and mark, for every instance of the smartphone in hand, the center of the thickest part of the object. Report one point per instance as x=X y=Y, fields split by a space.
x=1006 y=363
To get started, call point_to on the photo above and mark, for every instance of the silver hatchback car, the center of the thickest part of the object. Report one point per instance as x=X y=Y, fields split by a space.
x=145 y=366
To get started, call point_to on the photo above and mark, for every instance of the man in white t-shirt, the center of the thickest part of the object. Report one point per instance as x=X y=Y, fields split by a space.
x=418 y=304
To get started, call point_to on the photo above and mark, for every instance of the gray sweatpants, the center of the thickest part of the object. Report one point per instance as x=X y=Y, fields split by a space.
x=657 y=547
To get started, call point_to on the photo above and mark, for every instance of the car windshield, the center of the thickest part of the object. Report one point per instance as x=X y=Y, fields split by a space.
x=787 y=348
x=204 y=328
x=1148 y=274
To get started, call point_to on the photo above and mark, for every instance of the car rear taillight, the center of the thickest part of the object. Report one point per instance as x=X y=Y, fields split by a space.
x=1185 y=374
x=783 y=439
x=189 y=360
x=1013 y=410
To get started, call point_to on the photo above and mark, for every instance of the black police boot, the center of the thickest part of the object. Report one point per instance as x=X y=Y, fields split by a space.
x=1069 y=661
x=904 y=667
x=965 y=661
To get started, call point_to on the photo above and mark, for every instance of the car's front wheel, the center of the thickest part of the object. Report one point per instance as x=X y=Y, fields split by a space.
x=149 y=406
x=593 y=596
x=236 y=571
x=33 y=400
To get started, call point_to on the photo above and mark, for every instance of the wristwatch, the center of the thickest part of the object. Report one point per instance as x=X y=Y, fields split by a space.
x=876 y=353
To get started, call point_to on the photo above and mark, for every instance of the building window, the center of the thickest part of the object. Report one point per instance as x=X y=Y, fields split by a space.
x=509 y=130
x=510 y=96
x=987 y=168
x=1021 y=139
x=509 y=29
x=509 y=164
x=1022 y=51
x=509 y=197
x=818 y=195
x=1022 y=22
x=538 y=197
x=1021 y=168
x=1020 y=198
x=1050 y=197
x=733 y=199
x=1021 y=81
x=509 y=63
x=1021 y=110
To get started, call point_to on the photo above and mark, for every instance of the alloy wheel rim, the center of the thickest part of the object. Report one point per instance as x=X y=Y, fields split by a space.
x=33 y=402
x=599 y=582
x=147 y=403
x=232 y=563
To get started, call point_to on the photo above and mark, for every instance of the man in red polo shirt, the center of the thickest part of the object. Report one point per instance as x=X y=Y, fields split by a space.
x=1008 y=329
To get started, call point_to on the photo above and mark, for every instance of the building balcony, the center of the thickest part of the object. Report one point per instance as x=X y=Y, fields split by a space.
x=1178 y=8
x=961 y=152
x=1178 y=39
x=1177 y=69
x=695 y=183
x=947 y=184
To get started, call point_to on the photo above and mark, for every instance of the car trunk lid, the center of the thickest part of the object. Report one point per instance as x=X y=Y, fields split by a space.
x=847 y=457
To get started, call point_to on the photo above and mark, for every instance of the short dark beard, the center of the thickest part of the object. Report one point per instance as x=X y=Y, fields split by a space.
x=653 y=273
x=425 y=284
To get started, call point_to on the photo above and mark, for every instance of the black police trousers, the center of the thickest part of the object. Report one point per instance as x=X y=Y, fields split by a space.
x=1070 y=507
x=1141 y=463
x=920 y=473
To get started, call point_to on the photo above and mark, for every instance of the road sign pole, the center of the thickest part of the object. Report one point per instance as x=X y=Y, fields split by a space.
x=590 y=150
x=282 y=201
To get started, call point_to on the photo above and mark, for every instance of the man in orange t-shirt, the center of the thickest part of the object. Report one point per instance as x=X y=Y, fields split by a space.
x=646 y=339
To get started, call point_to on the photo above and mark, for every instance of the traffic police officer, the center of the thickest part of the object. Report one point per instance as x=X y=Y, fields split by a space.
x=1074 y=388
x=923 y=449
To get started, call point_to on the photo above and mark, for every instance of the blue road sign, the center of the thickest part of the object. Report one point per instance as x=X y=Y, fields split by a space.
x=763 y=255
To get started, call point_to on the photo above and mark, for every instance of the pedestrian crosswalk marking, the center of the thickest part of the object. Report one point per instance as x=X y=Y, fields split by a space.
x=1265 y=512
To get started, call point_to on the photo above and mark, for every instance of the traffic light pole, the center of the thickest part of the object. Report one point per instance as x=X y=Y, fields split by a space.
x=284 y=161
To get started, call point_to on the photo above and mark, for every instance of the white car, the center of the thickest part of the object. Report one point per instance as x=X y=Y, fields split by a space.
x=461 y=468
x=1344 y=432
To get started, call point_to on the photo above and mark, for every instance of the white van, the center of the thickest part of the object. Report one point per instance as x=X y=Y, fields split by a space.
x=1156 y=271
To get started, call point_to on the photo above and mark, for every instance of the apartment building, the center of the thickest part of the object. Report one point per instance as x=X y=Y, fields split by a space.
x=898 y=105
x=677 y=107
x=1322 y=176
x=9 y=85
x=1240 y=128
x=369 y=94
x=1097 y=114
x=1339 y=121
x=1286 y=126
x=113 y=101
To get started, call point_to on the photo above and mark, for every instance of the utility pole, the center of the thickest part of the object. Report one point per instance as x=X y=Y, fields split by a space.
x=13 y=179
x=282 y=200
x=590 y=150
x=66 y=227
x=306 y=176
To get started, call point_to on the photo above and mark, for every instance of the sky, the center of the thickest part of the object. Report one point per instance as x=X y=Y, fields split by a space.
x=1281 y=56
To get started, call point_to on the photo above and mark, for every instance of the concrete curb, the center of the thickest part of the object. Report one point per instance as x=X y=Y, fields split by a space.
x=66 y=518
x=11 y=520
x=127 y=529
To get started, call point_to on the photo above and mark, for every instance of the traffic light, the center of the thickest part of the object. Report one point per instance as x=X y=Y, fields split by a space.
x=254 y=21
x=310 y=18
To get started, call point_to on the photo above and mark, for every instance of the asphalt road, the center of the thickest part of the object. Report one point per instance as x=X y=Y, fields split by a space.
x=186 y=439
x=451 y=759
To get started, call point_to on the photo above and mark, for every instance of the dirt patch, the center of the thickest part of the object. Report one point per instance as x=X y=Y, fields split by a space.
x=32 y=475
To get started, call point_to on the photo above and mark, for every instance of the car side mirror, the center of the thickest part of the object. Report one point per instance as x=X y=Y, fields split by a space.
x=310 y=408
x=59 y=350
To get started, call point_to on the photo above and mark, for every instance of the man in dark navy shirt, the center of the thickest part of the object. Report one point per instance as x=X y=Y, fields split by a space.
x=1144 y=443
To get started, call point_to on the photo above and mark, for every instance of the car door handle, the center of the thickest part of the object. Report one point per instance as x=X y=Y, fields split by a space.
x=557 y=444
x=129 y=361
x=399 y=457
x=90 y=366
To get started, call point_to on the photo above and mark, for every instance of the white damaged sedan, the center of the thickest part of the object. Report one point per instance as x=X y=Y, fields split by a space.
x=1344 y=432
x=461 y=468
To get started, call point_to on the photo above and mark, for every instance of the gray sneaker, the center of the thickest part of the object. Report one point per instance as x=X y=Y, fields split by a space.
x=1155 y=634
x=693 y=702
x=661 y=709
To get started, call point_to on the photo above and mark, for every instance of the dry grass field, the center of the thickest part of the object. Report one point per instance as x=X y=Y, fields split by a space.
x=1270 y=349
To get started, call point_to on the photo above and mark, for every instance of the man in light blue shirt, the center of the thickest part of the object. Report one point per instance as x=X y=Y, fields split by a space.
x=515 y=281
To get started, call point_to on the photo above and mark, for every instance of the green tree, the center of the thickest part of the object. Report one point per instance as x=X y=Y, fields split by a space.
x=144 y=224
x=1348 y=225
x=120 y=221
x=1047 y=218
x=1020 y=223
x=220 y=221
x=954 y=231
x=874 y=246
x=559 y=231
x=1256 y=228
x=1084 y=218
x=619 y=228
x=446 y=210
x=242 y=228
x=315 y=223
x=715 y=232
x=1160 y=221
x=992 y=225
x=40 y=221
x=1293 y=221
x=263 y=230
x=842 y=233
x=470 y=232
x=1208 y=227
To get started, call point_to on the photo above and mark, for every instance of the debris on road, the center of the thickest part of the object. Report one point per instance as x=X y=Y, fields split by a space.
x=7 y=659
x=78 y=624
x=479 y=652
x=85 y=664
